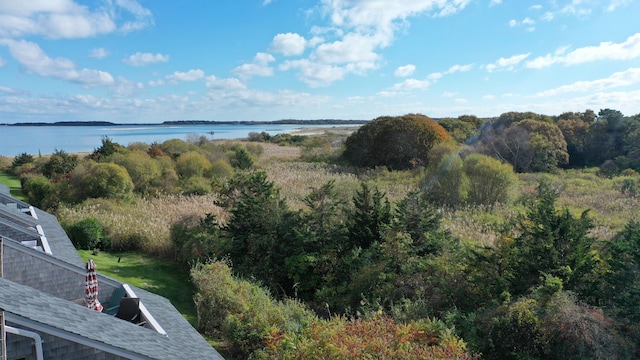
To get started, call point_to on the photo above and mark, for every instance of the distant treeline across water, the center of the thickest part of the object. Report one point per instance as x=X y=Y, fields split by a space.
x=43 y=138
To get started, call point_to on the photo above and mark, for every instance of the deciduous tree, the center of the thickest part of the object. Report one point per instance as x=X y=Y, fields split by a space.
x=398 y=142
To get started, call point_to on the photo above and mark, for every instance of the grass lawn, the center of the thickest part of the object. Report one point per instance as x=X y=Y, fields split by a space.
x=13 y=182
x=164 y=278
x=161 y=277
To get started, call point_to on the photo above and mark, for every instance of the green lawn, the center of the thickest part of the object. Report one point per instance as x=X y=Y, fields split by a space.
x=13 y=182
x=161 y=277
x=164 y=278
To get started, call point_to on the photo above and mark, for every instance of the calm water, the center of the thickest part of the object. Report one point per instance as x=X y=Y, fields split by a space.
x=35 y=140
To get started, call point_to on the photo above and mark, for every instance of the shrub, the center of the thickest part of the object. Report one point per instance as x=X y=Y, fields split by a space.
x=242 y=159
x=191 y=164
x=87 y=234
x=377 y=338
x=221 y=169
x=489 y=179
x=107 y=180
x=39 y=191
x=60 y=163
x=396 y=142
x=243 y=312
x=21 y=159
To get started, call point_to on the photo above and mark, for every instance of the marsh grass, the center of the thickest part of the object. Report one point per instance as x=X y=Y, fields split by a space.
x=142 y=224
x=296 y=179
x=578 y=191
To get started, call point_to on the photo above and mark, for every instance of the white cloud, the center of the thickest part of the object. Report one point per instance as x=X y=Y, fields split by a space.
x=459 y=68
x=288 y=44
x=142 y=59
x=259 y=66
x=630 y=49
x=8 y=90
x=213 y=82
x=495 y=2
x=619 y=79
x=435 y=76
x=507 y=63
x=155 y=83
x=577 y=7
x=404 y=71
x=617 y=3
x=191 y=75
x=382 y=14
x=526 y=22
x=412 y=84
x=98 y=53
x=535 y=7
x=126 y=88
x=489 y=97
x=34 y=59
x=359 y=29
x=57 y=19
x=453 y=69
x=315 y=74
x=142 y=17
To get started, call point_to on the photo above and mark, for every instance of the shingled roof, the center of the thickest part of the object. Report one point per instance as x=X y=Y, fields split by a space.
x=38 y=310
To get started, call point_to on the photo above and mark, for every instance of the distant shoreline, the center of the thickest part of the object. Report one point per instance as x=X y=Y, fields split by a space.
x=196 y=122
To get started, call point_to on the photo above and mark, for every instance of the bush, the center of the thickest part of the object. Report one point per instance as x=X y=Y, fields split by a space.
x=377 y=338
x=88 y=234
x=243 y=312
x=398 y=143
x=21 y=159
x=106 y=180
x=192 y=164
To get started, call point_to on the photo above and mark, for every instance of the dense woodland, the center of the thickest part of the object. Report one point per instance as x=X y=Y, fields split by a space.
x=460 y=238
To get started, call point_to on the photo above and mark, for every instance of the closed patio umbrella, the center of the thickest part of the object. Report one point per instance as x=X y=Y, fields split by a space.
x=91 y=287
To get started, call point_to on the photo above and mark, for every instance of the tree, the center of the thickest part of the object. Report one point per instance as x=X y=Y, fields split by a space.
x=242 y=159
x=191 y=164
x=575 y=132
x=106 y=180
x=21 y=159
x=141 y=167
x=448 y=186
x=489 y=179
x=511 y=145
x=548 y=145
x=108 y=148
x=400 y=142
x=551 y=241
x=622 y=286
x=257 y=235
x=461 y=128
x=60 y=163
x=631 y=141
x=371 y=212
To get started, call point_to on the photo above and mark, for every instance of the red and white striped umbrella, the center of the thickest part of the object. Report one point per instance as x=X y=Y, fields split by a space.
x=91 y=287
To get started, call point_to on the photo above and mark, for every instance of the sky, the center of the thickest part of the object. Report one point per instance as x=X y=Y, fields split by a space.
x=149 y=61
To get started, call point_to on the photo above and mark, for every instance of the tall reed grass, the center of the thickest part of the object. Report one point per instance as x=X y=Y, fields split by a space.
x=142 y=224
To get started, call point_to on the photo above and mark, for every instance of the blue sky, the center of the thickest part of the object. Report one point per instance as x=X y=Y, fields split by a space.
x=155 y=60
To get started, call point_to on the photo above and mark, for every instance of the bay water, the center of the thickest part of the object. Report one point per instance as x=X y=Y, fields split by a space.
x=34 y=140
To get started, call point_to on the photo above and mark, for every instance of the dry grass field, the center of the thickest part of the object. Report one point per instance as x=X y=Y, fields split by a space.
x=146 y=222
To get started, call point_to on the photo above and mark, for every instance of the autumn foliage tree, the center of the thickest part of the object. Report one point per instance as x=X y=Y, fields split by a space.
x=399 y=142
